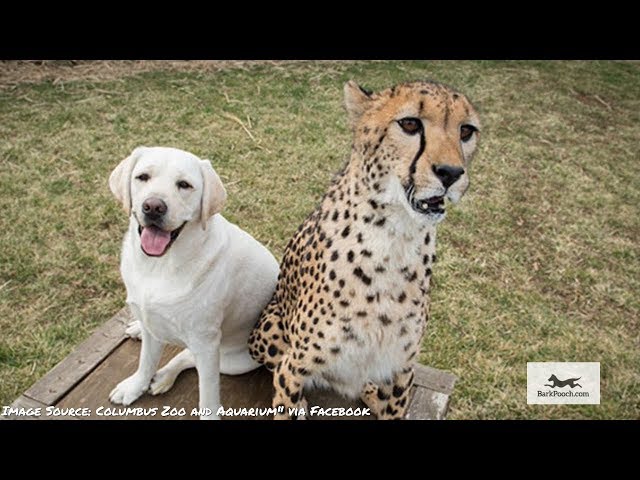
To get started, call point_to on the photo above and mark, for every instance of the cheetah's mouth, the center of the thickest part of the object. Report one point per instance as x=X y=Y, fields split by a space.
x=432 y=205
x=429 y=205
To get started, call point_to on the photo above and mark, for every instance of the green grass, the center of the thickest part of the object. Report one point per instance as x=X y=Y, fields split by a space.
x=540 y=262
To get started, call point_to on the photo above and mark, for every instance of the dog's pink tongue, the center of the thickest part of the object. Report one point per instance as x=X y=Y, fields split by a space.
x=154 y=240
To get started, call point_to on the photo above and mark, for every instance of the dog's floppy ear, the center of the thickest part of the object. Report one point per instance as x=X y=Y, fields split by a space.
x=357 y=100
x=120 y=179
x=214 y=194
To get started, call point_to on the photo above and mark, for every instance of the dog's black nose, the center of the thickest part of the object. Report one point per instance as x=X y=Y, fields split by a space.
x=448 y=174
x=154 y=208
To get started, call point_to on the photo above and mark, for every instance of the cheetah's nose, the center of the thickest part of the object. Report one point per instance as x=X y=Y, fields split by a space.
x=448 y=174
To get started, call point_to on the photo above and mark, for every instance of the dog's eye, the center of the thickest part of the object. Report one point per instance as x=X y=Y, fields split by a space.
x=410 y=125
x=466 y=132
x=143 y=177
x=183 y=184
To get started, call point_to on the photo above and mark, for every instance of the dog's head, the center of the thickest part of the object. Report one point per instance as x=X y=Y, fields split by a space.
x=552 y=378
x=164 y=189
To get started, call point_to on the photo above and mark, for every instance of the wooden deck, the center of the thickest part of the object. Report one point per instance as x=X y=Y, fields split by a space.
x=85 y=378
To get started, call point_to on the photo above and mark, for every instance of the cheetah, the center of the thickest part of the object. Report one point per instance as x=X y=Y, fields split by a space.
x=351 y=303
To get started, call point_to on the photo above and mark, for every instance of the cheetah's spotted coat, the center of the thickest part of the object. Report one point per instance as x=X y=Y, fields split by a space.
x=351 y=302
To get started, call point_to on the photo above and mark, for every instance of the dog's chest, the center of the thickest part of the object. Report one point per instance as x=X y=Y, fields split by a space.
x=171 y=310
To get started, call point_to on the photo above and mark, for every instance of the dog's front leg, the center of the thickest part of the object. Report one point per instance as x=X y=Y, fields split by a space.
x=130 y=389
x=207 y=357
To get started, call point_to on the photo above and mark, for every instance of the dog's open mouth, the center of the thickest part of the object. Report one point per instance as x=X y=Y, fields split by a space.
x=429 y=205
x=155 y=242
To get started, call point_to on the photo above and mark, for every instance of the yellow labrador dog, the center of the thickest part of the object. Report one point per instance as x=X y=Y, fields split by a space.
x=193 y=279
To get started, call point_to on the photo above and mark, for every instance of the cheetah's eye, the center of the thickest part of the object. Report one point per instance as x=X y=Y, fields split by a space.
x=183 y=184
x=410 y=125
x=466 y=132
x=143 y=177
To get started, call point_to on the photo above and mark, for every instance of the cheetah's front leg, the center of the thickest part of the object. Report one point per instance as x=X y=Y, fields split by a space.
x=390 y=401
x=376 y=397
x=288 y=383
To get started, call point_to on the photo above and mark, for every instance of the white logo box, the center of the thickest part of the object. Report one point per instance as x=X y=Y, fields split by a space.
x=563 y=383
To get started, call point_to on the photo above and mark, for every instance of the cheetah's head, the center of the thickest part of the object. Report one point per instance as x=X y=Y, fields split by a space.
x=415 y=141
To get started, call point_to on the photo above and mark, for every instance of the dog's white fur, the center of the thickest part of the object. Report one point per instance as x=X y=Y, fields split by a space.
x=205 y=293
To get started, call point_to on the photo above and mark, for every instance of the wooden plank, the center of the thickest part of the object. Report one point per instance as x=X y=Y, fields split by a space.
x=93 y=391
x=253 y=389
x=434 y=379
x=428 y=404
x=27 y=403
x=71 y=370
x=86 y=376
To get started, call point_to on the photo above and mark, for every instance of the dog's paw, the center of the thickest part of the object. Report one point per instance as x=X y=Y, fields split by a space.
x=162 y=381
x=134 y=330
x=128 y=391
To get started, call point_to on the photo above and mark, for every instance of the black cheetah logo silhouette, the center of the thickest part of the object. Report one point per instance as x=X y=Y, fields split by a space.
x=563 y=383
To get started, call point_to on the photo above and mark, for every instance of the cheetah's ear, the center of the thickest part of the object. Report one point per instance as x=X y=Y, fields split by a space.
x=356 y=100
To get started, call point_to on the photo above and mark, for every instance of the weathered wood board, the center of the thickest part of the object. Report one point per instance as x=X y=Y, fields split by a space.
x=85 y=378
